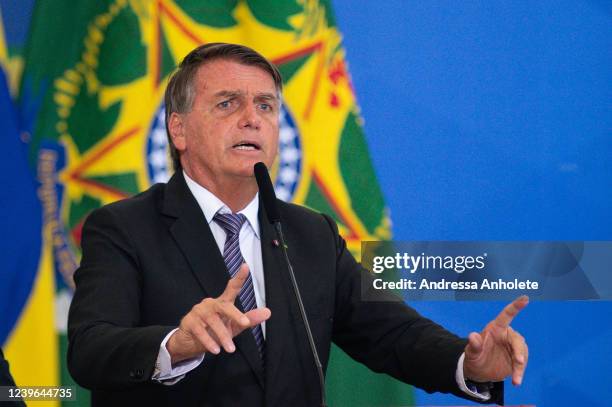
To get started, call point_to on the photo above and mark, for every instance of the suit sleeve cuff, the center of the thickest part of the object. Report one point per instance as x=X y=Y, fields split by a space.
x=167 y=374
x=479 y=391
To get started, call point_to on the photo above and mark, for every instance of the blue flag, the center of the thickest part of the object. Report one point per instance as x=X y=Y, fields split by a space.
x=20 y=224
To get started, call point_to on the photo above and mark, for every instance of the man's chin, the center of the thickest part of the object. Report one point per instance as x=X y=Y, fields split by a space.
x=246 y=171
x=247 y=166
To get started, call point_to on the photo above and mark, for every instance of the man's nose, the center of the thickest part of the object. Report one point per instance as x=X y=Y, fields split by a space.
x=249 y=118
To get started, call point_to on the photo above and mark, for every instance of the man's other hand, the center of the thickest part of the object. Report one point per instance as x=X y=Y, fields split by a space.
x=498 y=351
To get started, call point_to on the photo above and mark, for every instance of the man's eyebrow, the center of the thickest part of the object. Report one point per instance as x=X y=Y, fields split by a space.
x=266 y=95
x=235 y=93
x=230 y=93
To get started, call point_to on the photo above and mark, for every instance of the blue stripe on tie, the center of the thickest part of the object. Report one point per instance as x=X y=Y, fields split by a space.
x=248 y=298
x=232 y=223
x=232 y=253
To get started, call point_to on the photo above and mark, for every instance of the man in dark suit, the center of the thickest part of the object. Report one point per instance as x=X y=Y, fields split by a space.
x=165 y=314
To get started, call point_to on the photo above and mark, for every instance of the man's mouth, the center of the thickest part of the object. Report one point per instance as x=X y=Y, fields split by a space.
x=247 y=145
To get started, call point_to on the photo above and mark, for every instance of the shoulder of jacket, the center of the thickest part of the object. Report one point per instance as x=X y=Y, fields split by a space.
x=137 y=203
x=291 y=212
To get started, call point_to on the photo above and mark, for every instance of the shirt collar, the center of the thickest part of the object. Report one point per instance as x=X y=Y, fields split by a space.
x=210 y=204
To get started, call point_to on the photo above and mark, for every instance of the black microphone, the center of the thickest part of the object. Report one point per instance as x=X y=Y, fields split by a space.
x=268 y=197
x=266 y=190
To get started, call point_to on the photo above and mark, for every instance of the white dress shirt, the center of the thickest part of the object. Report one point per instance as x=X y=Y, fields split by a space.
x=250 y=247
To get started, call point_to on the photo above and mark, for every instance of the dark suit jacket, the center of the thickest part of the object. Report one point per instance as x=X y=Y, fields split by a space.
x=149 y=259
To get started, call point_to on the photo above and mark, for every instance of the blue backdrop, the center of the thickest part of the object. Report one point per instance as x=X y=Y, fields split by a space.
x=493 y=120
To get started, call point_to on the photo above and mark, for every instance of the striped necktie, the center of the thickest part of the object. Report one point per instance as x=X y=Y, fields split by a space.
x=232 y=223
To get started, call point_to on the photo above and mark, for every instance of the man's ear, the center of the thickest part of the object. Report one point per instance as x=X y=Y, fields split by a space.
x=177 y=131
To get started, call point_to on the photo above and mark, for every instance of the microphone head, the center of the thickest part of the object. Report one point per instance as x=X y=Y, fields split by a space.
x=266 y=190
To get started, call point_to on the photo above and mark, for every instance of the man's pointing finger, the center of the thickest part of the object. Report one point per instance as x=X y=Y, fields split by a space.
x=235 y=284
x=504 y=319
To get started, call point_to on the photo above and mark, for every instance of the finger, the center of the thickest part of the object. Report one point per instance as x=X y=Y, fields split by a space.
x=258 y=315
x=221 y=332
x=520 y=354
x=511 y=310
x=474 y=346
x=229 y=311
x=194 y=327
x=235 y=284
x=199 y=332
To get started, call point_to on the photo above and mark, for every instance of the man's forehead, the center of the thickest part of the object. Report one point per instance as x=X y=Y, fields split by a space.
x=228 y=75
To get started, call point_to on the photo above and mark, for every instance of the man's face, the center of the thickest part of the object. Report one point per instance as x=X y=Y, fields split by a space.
x=233 y=123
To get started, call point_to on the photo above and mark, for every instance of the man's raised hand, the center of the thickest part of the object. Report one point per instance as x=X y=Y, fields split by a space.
x=214 y=322
x=498 y=351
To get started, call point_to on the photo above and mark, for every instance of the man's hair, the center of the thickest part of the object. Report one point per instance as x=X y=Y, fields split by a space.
x=180 y=92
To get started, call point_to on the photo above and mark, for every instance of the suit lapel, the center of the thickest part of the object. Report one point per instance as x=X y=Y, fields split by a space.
x=194 y=238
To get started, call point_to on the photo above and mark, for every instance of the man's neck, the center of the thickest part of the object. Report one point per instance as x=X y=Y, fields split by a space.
x=235 y=192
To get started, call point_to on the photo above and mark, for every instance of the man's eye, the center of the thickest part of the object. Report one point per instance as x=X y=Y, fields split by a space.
x=225 y=104
x=265 y=106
